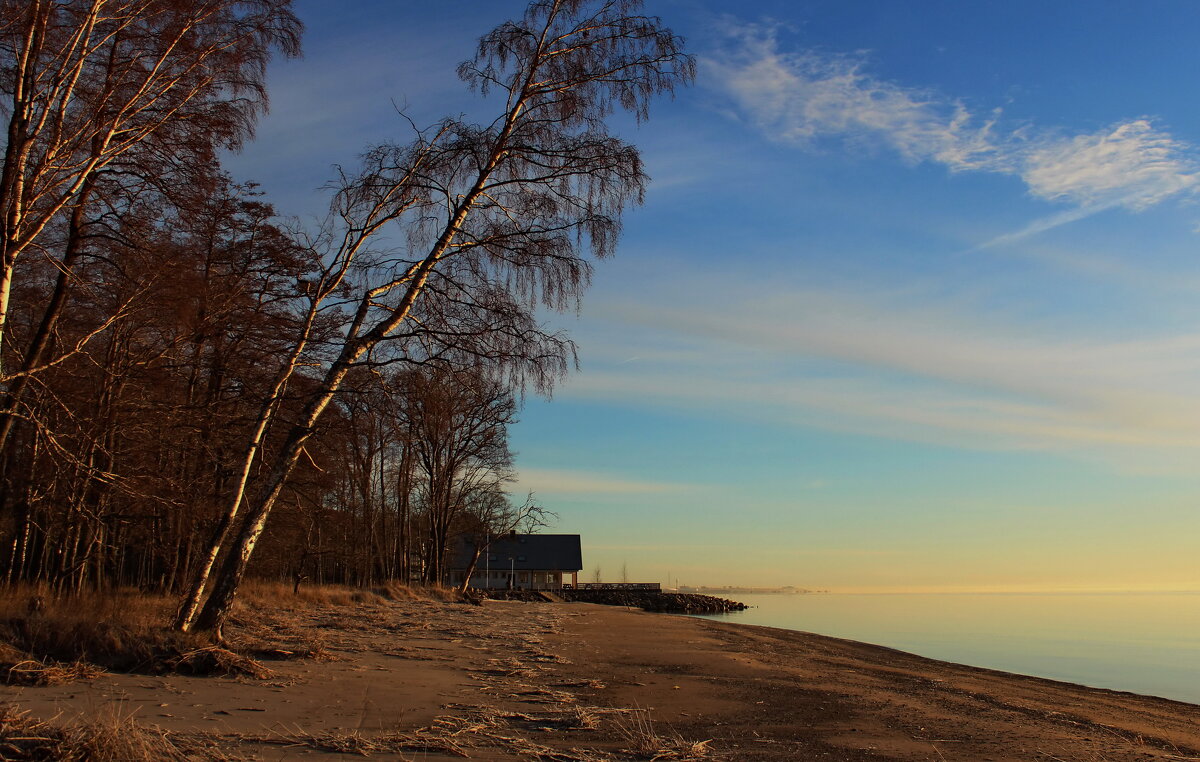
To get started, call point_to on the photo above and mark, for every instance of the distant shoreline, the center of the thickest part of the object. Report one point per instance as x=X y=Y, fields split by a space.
x=735 y=590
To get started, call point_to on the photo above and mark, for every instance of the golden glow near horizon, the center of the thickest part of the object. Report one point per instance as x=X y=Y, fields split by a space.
x=1086 y=548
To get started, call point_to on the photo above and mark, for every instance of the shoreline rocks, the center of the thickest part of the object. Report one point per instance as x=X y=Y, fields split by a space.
x=647 y=600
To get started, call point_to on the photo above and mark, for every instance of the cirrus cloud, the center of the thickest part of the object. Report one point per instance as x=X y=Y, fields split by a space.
x=803 y=97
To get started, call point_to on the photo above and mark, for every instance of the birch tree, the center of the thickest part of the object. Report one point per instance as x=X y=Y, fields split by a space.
x=94 y=83
x=497 y=219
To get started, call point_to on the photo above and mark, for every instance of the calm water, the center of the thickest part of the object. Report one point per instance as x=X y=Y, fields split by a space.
x=1141 y=642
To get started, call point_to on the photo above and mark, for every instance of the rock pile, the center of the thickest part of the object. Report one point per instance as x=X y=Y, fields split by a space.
x=529 y=596
x=673 y=603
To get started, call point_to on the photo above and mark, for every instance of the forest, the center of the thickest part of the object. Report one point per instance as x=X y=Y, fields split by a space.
x=196 y=387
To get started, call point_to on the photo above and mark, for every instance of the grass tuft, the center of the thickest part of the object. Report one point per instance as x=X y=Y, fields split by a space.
x=643 y=741
x=115 y=738
x=21 y=668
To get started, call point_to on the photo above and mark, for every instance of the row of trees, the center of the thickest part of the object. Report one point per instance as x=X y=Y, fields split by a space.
x=183 y=372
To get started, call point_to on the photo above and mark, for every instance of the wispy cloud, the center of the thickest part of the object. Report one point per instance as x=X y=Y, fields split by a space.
x=892 y=363
x=1090 y=263
x=1049 y=222
x=801 y=97
x=1133 y=164
x=804 y=97
x=555 y=481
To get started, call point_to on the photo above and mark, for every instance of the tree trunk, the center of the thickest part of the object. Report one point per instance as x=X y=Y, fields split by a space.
x=266 y=414
x=220 y=602
x=466 y=582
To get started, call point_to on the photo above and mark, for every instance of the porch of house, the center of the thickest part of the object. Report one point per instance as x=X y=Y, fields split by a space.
x=519 y=579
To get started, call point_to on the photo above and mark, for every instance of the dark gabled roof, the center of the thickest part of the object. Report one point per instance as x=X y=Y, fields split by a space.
x=522 y=552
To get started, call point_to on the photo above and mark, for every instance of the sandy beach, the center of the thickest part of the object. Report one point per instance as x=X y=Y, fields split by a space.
x=424 y=680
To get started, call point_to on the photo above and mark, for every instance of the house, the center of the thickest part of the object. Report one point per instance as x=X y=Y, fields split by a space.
x=518 y=561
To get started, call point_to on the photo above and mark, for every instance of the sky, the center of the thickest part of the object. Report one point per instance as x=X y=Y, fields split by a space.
x=913 y=302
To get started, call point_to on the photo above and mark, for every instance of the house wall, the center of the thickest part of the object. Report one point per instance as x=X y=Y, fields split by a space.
x=496 y=579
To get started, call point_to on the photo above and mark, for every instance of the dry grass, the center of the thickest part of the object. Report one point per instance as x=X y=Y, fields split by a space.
x=118 y=630
x=397 y=591
x=63 y=638
x=215 y=660
x=256 y=594
x=473 y=731
x=21 y=668
x=466 y=735
x=47 y=638
x=129 y=608
x=112 y=739
x=643 y=741
x=51 y=639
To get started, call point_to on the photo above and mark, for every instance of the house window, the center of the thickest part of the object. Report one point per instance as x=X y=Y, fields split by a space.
x=520 y=558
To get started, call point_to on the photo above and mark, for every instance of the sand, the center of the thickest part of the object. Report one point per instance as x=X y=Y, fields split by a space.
x=504 y=681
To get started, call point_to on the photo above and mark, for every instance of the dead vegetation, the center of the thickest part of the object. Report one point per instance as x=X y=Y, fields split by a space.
x=215 y=660
x=111 y=739
x=472 y=732
x=21 y=668
x=256 y=594
x=48 y=639
x=643 y=741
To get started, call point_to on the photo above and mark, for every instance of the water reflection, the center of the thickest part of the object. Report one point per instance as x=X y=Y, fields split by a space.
x=1141 y=642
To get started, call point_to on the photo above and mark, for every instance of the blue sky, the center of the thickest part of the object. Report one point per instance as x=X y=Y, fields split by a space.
x=912 y=303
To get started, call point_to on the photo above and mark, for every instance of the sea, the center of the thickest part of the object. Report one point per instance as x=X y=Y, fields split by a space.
x=1147 y=643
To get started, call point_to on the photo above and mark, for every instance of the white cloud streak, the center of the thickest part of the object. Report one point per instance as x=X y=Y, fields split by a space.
x=803 y=98
x=887 y=363
x=1133 y=164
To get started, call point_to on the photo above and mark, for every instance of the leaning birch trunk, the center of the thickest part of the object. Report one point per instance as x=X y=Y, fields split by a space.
x=330 y=280
x=220 y=601
x=466 y=583
x=266 y=414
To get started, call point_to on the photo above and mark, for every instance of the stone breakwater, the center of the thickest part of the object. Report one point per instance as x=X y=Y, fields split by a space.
x=647 y=600
x=672 y=603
